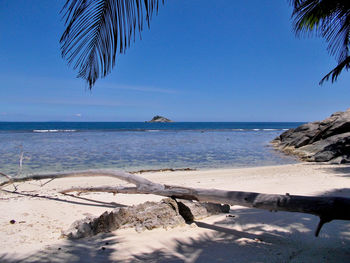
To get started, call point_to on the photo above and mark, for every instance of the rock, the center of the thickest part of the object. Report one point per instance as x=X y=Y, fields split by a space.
x=149 y=215
x=159 y=119
x=300 y=136
x=325 y=141
x=191 y=211
x=340 y=160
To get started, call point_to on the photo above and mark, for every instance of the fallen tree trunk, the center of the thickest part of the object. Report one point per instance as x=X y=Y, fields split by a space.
x=326 y=208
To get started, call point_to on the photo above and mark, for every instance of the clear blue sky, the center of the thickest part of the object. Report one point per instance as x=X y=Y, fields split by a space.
x=202 y=60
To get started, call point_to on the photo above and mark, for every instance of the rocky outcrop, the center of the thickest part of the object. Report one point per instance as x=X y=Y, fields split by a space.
x=149 y=215
x=324 y=141
x=159 y=119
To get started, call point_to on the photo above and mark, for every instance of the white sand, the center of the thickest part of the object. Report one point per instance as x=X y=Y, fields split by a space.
x=250 y=236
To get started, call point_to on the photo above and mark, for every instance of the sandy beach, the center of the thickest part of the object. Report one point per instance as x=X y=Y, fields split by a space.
x=247 y=235
x=219 y=107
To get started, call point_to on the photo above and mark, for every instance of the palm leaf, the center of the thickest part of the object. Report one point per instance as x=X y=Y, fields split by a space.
x=345 y=64
x=329 y=19
x=97 y=30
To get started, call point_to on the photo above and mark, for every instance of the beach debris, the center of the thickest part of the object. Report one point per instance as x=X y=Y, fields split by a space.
x=10 y=180
x=149 y=215
x=321 y=141
x=327 y=208
x=162 y=170
x=12 y=221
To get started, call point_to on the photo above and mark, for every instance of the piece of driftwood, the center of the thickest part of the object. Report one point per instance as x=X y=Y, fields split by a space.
x=162 y=170
x=326 y=208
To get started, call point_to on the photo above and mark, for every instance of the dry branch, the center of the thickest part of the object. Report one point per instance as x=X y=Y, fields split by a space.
x=327 y=208
x=9 y=181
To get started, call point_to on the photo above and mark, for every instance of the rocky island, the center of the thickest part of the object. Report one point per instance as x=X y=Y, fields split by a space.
x=320 y=141
x=159 y=119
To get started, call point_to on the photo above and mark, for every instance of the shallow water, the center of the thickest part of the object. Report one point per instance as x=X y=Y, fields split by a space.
x=135 y=150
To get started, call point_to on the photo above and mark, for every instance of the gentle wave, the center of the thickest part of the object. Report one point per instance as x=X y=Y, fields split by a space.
x=256 y=129
x=54 y=131
x=260 y=129
x=152 y=130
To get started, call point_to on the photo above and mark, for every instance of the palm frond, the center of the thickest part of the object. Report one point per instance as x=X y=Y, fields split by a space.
x=334 y=74
x=97 y=30
x=329 y=19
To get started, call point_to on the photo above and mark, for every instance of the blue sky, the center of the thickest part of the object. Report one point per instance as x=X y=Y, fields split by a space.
x=202 y=60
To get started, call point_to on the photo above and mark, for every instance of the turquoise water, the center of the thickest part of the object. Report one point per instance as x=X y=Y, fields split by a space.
x=54 y=147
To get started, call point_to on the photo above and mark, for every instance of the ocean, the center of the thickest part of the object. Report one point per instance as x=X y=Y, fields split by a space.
x=45 y=147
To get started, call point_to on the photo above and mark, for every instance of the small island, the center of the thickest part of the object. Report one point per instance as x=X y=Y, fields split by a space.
x=158 y=118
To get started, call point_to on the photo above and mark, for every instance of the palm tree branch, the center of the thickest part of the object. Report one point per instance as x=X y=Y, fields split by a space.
x=97 y=30
x=329 y=19
x=334 y=74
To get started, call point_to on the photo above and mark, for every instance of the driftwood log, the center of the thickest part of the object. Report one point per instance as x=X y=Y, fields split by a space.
x=326 y=208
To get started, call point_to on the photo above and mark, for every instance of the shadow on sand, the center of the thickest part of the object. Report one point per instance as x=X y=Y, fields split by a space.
x=246 y=235
x=84 y=250
x=341 y=170
x=90 y=202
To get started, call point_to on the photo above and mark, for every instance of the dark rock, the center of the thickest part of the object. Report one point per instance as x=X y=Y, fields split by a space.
x=325 y=141
x=12 y=221
x=149 y=215
x=300 y=136
x=191 y=211
x=159 y=119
